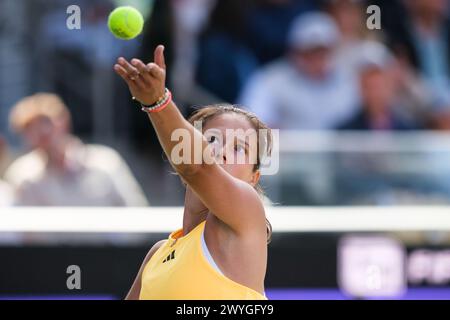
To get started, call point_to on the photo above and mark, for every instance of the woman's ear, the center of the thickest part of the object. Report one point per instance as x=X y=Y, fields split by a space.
x=255 y=177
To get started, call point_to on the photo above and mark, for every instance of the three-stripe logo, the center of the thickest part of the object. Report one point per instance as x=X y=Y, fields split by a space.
x=171 y=256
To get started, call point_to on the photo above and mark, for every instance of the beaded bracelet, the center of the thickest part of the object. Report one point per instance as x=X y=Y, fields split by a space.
x=159 y=105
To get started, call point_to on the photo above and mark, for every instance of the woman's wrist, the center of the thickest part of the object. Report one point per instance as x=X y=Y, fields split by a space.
x=149 y=101
x=159 y=105
x=161 y=97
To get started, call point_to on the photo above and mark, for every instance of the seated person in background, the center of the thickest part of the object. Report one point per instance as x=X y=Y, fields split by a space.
x=350 y=17
x=306 y=89
x=224 y=58
x=268 y=24
x=423 y=39
x=378 y=90
x=61 y=170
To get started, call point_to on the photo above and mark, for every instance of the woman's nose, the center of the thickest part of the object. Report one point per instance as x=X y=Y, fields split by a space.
x=221 y=153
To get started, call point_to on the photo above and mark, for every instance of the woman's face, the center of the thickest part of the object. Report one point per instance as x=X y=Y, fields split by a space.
x=235 y=145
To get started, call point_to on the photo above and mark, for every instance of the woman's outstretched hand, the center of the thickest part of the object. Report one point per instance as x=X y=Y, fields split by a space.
x=147 y=82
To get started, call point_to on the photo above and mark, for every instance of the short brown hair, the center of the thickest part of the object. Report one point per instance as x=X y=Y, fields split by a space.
x=38 y=105
x=206 y=113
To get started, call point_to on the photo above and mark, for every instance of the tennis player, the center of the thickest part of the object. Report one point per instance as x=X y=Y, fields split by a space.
x=221 y=251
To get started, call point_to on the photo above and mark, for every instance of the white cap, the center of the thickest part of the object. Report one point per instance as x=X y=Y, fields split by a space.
x=374 y=54
x=313 y=30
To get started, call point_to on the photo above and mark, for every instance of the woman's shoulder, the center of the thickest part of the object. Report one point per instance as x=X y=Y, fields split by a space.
x=153 y=250
x=158 y=245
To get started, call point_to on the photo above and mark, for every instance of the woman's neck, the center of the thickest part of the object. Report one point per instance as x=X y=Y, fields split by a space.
x=195 y=211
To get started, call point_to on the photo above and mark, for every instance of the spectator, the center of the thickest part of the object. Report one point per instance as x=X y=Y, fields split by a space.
x=378 y=90
x=350 y=17
x=61 y=170
x=423 y=38
x=305 y=89
x=190 y=17
x=225 y=61
x=268 y=24
x=413 y=94
x=86 y=55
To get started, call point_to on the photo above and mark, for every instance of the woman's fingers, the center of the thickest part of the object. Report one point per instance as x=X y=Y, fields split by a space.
x=146 y=82
x=133 y=73
x=143 y=70
x=123 y=73
x=132 y=82
x=159 y=57
x=155 y=70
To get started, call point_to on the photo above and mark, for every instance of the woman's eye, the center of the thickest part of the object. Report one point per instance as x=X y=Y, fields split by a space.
x=212 y=139
x=239 y=148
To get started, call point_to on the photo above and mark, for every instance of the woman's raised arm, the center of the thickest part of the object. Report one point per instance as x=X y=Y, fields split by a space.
x=233 y=201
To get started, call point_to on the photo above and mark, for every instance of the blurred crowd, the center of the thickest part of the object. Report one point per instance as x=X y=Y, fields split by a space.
x=298 y=64
x=59 y=169
x=315 y=65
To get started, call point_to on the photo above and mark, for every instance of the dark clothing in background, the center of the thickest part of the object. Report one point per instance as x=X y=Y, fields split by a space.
x=361 y=122
x=269 y=26
x=224 y=66
x=400 y=33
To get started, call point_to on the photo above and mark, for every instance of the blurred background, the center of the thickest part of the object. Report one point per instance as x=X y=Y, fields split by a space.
x=363 y=113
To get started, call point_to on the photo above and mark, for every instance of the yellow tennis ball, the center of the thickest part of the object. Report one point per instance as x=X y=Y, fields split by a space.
x=125 y=22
